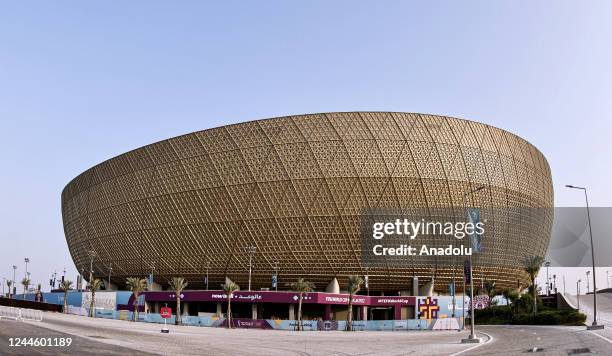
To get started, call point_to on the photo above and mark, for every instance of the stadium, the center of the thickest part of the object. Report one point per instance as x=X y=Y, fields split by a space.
x=285 y=196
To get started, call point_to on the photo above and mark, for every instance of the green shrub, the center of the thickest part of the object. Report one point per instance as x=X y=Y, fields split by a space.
x=503 y=315
x=548 y=318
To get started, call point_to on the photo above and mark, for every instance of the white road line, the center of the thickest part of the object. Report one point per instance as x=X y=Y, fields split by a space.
x=601 y=336
x=475 y=346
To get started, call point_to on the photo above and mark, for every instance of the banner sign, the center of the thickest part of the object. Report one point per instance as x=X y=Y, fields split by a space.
x=466 y=271
x=475 y=239
x=281 y=297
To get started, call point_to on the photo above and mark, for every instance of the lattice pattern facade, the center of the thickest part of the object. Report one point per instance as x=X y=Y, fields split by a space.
x=295 y=187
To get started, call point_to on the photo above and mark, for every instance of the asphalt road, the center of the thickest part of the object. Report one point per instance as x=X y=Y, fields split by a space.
x=79 y=346
x=604 y=307
x=546 y=340
x=116 y=337
x=187 y=340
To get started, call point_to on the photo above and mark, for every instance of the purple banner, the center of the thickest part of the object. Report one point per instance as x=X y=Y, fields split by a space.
x=279 y=297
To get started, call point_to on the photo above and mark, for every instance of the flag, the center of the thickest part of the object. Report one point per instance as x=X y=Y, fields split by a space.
x=367 y=282
x=150 y=279
x=451 y=288
x=274 y=280
x=475 y=239
x=466 y=271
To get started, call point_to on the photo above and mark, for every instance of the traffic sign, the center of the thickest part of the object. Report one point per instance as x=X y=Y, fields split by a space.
x=165 y=312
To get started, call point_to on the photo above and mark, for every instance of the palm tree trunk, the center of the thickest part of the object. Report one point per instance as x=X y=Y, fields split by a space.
x=177 y=320
x=229 y=312
x=65 y=302
x=91 y=305
x=535 y=297
x=349 y=324
x=299 y=321
x=135 y=314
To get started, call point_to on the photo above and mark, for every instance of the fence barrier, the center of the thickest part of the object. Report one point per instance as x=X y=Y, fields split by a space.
x=307 y=325
x=20 y=314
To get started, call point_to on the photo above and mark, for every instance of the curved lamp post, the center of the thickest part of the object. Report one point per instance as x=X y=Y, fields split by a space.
x=594 y=325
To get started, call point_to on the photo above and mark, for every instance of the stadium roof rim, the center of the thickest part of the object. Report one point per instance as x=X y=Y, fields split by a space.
x=295 y=115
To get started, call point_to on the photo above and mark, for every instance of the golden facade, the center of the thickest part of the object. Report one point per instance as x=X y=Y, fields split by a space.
x=294 y=187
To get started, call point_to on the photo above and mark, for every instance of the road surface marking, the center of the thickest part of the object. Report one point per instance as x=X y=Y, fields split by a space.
x=475 y=346
x=603 y=337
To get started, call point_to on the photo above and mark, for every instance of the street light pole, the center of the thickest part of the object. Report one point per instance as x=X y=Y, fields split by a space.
x=594 y=325
x=276 y=276
x=587 y=279
x=14 y=284
x=110 y=271
x=92 y=254
x=578 y=293
x=367 y=277
x=26 y=260
x=207 y=268
x=471 y=338
x=547 y=264
x=251 y=250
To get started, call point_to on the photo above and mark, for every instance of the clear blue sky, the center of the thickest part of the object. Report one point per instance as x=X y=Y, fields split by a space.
x=81 y=82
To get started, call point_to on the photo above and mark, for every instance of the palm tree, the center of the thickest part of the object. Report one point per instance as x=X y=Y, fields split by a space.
x=26 y=283
x=491 y=291
x=506 y=294
x=137 y=286
x=354 y=285
x=177 y=284
x=9 y=284
x=229 y=287
x=38 y=293
x=94 y=286
x=301 y=286
x=531 y=265
x=66 y=286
